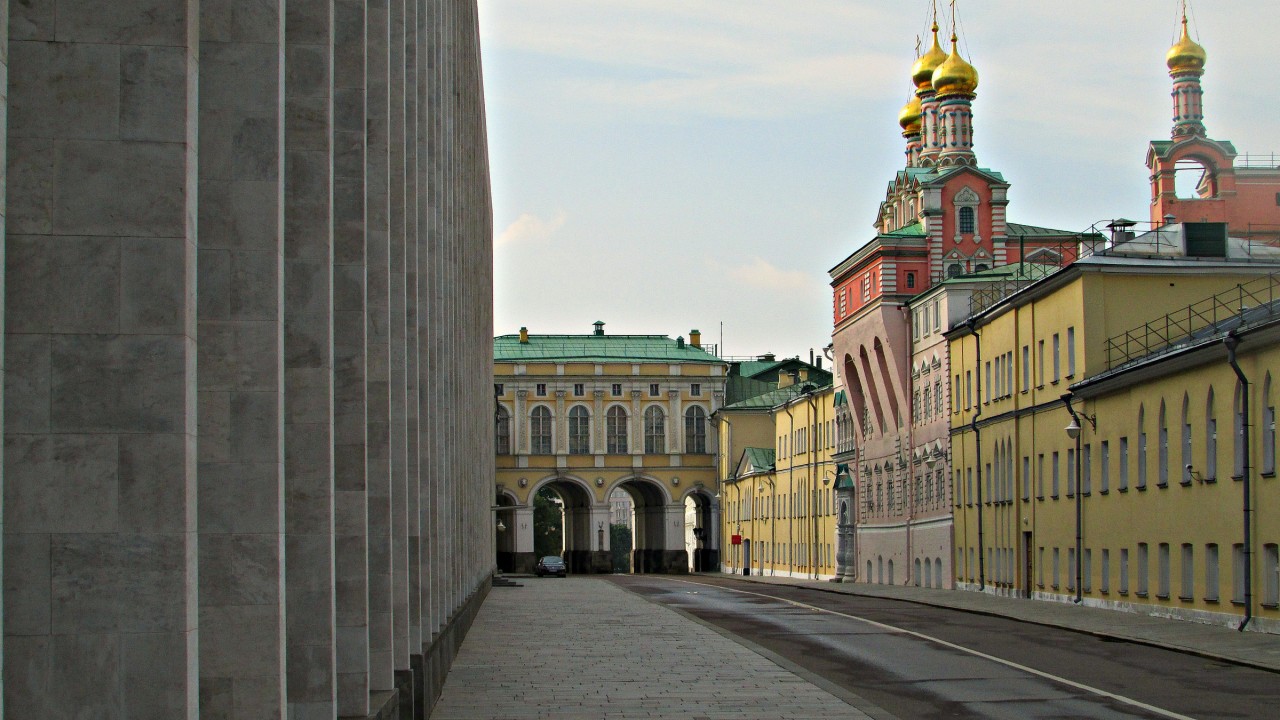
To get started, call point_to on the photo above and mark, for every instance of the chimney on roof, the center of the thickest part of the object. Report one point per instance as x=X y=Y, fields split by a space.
x=768 y=357
x=599 y=326
x=524 y=335
x=788 y=378
x=695 y=338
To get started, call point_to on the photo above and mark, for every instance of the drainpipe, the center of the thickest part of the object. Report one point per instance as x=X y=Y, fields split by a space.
x=1231 y=341
x=977 y=439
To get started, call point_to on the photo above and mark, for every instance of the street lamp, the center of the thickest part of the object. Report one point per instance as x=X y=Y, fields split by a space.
x=1073 y=432
x=502 y=527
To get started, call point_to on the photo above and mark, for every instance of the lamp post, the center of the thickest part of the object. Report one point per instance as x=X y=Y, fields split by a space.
x=1073 y=432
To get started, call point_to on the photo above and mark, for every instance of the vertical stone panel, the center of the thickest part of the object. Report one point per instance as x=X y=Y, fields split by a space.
x=351 y=511
x=388 y=573
x=308 y=360
x=100 y=419
x=4 y=124
x=239 y=378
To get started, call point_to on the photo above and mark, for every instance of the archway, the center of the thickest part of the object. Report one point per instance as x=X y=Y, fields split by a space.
x=656 y=528
x=505 y=532
x=571 y=535
x=701 y=519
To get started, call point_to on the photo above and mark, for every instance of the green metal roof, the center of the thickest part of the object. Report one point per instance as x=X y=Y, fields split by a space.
x=751 y=368
x=914 y=230
x=1020 y=230
x=738 y=388
x=1027 y=270
x=597 y=348
x=760 y=459
x=774 y=398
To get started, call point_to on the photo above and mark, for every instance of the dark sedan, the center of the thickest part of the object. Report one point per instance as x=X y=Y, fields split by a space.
x=551 y=565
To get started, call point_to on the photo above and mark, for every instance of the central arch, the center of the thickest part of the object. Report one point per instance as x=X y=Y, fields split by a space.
x=582 y=549
x=657 y=527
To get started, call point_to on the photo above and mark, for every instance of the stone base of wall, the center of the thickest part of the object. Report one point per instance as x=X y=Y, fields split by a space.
x=430 y=669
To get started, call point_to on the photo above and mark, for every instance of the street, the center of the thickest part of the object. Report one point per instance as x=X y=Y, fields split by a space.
x=916 y=661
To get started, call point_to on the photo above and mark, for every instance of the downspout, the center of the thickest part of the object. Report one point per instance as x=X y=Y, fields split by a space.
x=977 y=439
x=1231 y=341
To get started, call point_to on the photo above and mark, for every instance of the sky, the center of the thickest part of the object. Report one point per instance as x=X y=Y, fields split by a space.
x=663 y=165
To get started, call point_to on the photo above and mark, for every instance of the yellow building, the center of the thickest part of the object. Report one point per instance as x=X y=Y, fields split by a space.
x=778 y=480
x=589 y=415
x=1113 y=377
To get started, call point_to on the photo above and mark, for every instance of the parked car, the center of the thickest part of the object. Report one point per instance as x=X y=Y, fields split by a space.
x=551 y=565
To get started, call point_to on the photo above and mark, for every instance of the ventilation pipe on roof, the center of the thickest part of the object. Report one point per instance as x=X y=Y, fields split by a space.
x=599 y=327
x=680 y=342
x=524 y=335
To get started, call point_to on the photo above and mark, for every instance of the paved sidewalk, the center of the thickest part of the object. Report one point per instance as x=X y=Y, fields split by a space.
x=582 y=648
x=1252 y=649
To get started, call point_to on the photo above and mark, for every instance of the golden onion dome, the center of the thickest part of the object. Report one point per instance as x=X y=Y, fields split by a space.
x=955 y=76
x=922 y=71
x=1185 y=55
x=909 y=117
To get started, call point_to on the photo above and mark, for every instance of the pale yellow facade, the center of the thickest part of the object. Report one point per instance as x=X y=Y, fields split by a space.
x=1160 y=451
x=779 y=515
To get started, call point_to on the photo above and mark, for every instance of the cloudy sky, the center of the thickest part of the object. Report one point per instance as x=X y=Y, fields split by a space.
x=669 y=164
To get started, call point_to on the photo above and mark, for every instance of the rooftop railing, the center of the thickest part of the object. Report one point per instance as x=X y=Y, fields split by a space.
x=1245 y=305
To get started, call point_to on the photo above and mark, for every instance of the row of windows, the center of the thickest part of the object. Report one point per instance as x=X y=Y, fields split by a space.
x=999 y=374
x=793 y=505
x=1124 y=572
x=541 y=427
x=888 y=497
x=1051 y=469
x=816 y=436
x=615 y=389
x=928 y=573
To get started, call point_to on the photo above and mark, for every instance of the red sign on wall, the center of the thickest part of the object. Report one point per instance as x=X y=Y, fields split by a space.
x=735 y=540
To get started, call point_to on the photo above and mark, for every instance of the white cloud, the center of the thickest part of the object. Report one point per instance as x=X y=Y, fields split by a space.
x=759 y=273
x=530 y=228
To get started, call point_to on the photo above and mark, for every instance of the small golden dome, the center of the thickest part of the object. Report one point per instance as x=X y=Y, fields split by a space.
x=909 y=117
x=1185 y=55
x=955 y=76
x=922 y=71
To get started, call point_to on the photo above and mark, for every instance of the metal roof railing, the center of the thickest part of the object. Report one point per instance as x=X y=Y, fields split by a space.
x=1244 y=305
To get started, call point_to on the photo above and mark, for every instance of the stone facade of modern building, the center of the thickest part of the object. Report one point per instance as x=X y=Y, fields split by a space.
x=248 y=293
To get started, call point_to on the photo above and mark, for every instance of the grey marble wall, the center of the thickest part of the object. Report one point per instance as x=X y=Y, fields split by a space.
x=244 y=241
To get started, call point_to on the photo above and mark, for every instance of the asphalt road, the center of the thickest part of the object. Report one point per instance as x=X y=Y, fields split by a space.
x=919 y=662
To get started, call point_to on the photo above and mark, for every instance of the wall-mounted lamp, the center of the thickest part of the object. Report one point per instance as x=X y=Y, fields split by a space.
x=502 y=527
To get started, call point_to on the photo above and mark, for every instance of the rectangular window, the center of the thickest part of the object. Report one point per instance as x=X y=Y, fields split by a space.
x=1162 y=559
x=1211 y=572
x=1026 y=368
x=499 y=390
x=1086 y=571
x=1071 y=472
x=1040 y=476
x=1054 y=486
x=1056 y=567
x=1040 y=567
x=1071 y=352
x=1269 y=440
x=1144 y=569
x=541 y=389
x=937 y=316
x=1188 y=575
x=1237 y=572
x=1026 y=478
x=1142 y=460
x=579 y=389
x=1071 y=568
x=616 y=390
x=987 y=398
x=1124 y=571
x=915 y=325
x=695 y=389
x=968 y=495
x=1105 y=476
x=1124 y=464
x=653 y=390
x=911 y=280
x=1040 y=364
x=968 y=389
x=1057 y=359
x=1104 y=572
x=1086 y=469
x=1271 y=575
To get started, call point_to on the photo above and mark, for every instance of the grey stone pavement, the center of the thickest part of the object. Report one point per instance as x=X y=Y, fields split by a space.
x=581 y=647
x=585 y=648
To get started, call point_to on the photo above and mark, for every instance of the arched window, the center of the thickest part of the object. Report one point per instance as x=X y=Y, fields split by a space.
x=1163 y=468
x=1268 y=428
x=579 y=431
x=1186 y=440
x=655 y=430
x=502 y=433
x=695 y=429
x=616 y=430
x=966 y=221
x=955 y=270
x=540 y=431
x=1210 y=439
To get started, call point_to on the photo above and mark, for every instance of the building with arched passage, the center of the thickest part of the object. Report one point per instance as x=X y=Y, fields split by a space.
x=588 y=416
